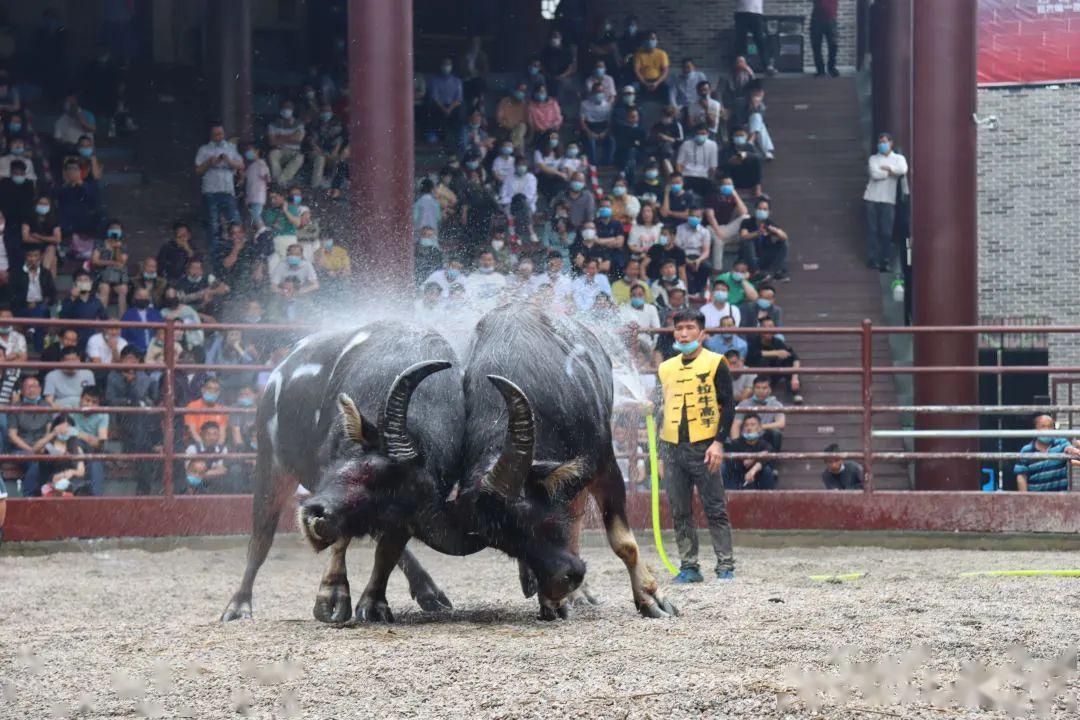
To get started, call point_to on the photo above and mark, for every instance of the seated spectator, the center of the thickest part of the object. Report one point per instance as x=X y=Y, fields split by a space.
x=742 y=383
x=155 y=351
x=256 y=184
x=484 y=285
x=666 y=307
x=642 y=316
x=770 y=243
x=90 y=168
x=742 y=162
x=694 y=239
x=429 y=302
x=624 y=206
x=519 y=285
x=522 y=183
x=768 y=409
x=295 y=267
x=697 y=161
x=669 y=279
x=69 y=340
x=724 y=213
x=601 y=76
x=149 y=279
x=208 y=400
x=43 y=230
x=10 y=100
x=218 y=476
x=704 y=110
x=740 y=82
x=651 y=67
x=142 y=311
x=587 y=286
x=105 y=346
x=32 y=293
x=560 y=288
x=667 y=138
x=62 y=478
x=573 y=161
x=17 y=203
x=840 y=474
x=630 y=139
x=244 y=267
x=12 y=341
x=557 y=62
x=29 y=433
x=229 y=348
x=64 y=386
x=308 y=231
x=90 y=432
x=631 y=277
x=725 y=342
x=17 y=152
x=282 y=218
x=285 y=134
x=195 y=471
x=687 y=84
x=611 y=236
x=551 y=177
x=458 y=299
x=677 y=203
x=769 y=349
x=580 y=203
x=110 y=261
x=594 y=122
x=474 y=141
x=765 y=307
x=663 y=252
x=82 y=304
x=1046 y=475
x=173 y=309
x=332 y=261
x=428 y=256
x=602 y=46
x=199 y=289
x=759 y=133
x=325 y=146
x=752 y=473
x=445 y=96
x=585 y=248
x=721 y=307
x=72 y=125
x=287 y=305
x=132 y=387
x=79 y=210
x=544 y=113
x=449 y=274
x=644 y=233
x=174 y=255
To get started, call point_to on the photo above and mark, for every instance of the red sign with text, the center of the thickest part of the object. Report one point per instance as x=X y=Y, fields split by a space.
x=1028 y=41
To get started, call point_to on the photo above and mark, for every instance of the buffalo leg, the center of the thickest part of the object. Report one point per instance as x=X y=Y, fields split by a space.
x=333 y=604
x=372 y=606
x=421 y=587
x=583 y=593
x=610 y=494
x=272 y=492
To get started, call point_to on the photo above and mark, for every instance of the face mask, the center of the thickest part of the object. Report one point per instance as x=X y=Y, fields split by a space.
x=446 y=69
x=676 y=188
x=18 y=179
x=533 y=70
x=618 y=190
x=62 y=484
x=497 y=244
x=286 y=113
x=761 y=215
x=663 y=240
x=429 y=242
x=507 y=150
x=572 y=152
x=293 y=261
x=588 y=234
x=472 y=164
x=720 y=297
x=727 y=190
x=328 y=245
x=521 y=170
x=737 y=276
x=485 y=270
x=541 y=97
x=687 y=348
x=637 y=302
x=15 y=127
x=700 y=139
x=727 y=338
x=599 y=72
x=245 y=401
x=693 y=222
x=652 y=174
x=576 y=185
x=452 y=274
x=884 y=148
x=194 y=481
x=556 y=42
x=1046 y=440
x=210 y=397
x=751 y=436
x=604 y=213
x=149 y=276
x=86 y=151
x=629 y=99
x=249 y=155
x=764 y=303
x=18 y=151
x=114 y=234
x=220 y=143
x=326 y=116
x=296 y=199
x=650 y=43
x=631 y=29
x=740 y=140
x=5 y=329
x=42 y=209
x=519 y=95
x=84 y=287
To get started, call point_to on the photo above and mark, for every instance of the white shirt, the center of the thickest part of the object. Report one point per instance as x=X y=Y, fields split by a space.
x=13 y=344
x=710 y=115
x=698 y=160
x=594 y=111
x=68 y=130
x=439 y=278
x=714 y=314
x=644 y=317
x=643 y=237
x=686 y=87
x=484 y=288
x=304 y=273
x=256 y=180
x=750 y=6
x=882 y=186
x=96 y=348
x=275 y=129
x=693 y=241
x=5 y=166
x=33 y=285
x=514 y=185
x=585 y=289
x=503 y=166
x=218 y=178
x=561 y=286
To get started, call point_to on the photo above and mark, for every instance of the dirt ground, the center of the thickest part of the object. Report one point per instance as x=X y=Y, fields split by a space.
x=130 y=633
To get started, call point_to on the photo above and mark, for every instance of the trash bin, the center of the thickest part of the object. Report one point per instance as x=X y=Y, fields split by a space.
x=785 y=35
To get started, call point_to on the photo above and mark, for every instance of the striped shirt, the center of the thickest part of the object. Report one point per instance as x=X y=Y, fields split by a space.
x=1045 y=475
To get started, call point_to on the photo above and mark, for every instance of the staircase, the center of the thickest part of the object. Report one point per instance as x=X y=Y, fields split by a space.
x=816 y=185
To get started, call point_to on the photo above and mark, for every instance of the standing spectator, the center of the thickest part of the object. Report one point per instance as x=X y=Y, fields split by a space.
x=759 y=132
x=752 y=473
x=33 y=292
x=694 y=239
x=29 y=433
x=557 y=62
x=90 y=432
x=286 y=137
x=719 y=309
x=427 y=212
x=511 y=117
x=474 y=71
x=256 y=183
x=594 y=121
x=603 y=46
x=726 y=342
x=64 y=386
x=326 y=146
x=587 y=286
x=642 y=316
x=217 y=163
x=667 y=138
x=823 y=27
x=630 y=138
x=110 y=260
x=544 y=112
x=749 y=19
x=580 y=204
x=763 y=244
x=142 y=311
x=886 y=167
x=1046 y=475
x=43 y=229
x=446 y=93
x=17 y=208
x=724 y=213
x=132 y=387
x=742 y=162
x=105 y=347
x=840 y=474
x=693 y=429
x=651 y=67
x=768 y=409
x=771 y=350
x=629 y=42
x=697 y=162
x=685 y=87
x=174 y=255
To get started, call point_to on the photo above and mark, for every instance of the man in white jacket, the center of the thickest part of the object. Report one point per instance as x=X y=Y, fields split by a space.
x=886 y=169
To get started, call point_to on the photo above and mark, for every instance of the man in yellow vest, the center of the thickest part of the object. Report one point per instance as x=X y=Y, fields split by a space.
x=697 y=414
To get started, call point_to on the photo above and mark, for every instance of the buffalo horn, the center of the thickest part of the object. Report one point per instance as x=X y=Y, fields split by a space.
x=509 y=472
x=350 y=416
x=393 y=429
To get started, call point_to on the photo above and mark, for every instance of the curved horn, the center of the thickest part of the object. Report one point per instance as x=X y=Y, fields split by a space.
x=351 y=418
x=508 y=473
x=397 y=444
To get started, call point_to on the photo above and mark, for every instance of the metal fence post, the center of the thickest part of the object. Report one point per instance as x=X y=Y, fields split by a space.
x=169 y=401
x=868 y=405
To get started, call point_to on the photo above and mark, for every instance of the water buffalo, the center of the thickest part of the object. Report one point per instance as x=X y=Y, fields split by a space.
x=313 y=429
x=556 y=382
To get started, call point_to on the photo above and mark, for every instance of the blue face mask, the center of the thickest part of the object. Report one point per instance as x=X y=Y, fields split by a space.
x=245 y=401
x=297 y=199
x=328 y=244
x=472 y=164
x=326 y=116
x=452 y=274
x=764 y=303
x=737 y=276
x=598 y=97
x=676 y=188
x=41 y=209
x=687 y=348
x=86 y=151
x=638 y=302
x=752 y=436
x=249 y=155
x=209 y=397
x=600 y=72
x=727 y=190
x=720 y=296
x=761 y=215
x=618 y=191
x=652 y=174
x=651 y=44
x=293 y=261
x=572 y=152
x=18 y=179
x=15 y=127
x=577 y=185
x=740 y=139
x=194 y=481
x=700 y=139
x=507 y=150
x=604 y=213
x=533 y=70
x=114 y=233
x=17 y=151
x=1046 y=440
x=541 y=97
x=519 y=94
x=693 y=222
x=884 y=147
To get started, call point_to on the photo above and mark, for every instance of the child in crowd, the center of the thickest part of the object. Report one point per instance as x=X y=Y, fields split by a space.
x=256 y=182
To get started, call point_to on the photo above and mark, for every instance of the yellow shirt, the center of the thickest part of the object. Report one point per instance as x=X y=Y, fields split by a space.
x=650 y=64
x=620 y=291
x=336 y=259
x=691 y=385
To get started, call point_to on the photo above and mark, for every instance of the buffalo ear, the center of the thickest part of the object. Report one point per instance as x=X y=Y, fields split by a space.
x=561 y=480
x=354 y=427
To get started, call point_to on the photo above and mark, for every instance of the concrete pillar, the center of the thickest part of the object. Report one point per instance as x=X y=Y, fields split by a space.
x=381 y=142
x=891 y=24
x=944 y=227
x=244 y=59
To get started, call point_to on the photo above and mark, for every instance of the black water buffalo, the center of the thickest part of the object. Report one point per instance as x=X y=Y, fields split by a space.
x=556 y=380
x=313 y=428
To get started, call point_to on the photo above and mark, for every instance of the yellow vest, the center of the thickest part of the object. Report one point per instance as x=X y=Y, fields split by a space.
x=691 y=386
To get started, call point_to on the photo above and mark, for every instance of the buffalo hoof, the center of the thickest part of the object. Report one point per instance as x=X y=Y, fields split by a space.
x=434 y=600
x=372 y=610
x=583 y=596
x=529 y=585
x=548 y=613
x=657 y=606
x=237 y=610
x=333 y=604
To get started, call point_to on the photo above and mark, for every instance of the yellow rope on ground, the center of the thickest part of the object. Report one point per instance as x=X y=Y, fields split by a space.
x=650 y=425
x=1022 y=573
x=837 y=578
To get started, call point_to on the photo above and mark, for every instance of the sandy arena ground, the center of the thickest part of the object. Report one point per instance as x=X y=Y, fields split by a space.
x=77 y=627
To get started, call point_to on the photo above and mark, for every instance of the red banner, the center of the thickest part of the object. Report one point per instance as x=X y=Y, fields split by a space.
x=1028 y=41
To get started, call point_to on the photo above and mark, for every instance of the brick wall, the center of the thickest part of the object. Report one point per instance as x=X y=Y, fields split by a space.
x=1029 y=209
x=701 y=28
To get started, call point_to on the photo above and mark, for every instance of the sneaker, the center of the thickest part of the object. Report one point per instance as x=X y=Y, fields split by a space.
x=782 y=276
x=834 y=72
x=769 y=156
x=725 y=575
x=687 y=576
x=770 y=70
x=798 y=399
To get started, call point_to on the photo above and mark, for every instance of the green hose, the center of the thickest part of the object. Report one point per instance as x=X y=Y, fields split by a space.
x=650 y=425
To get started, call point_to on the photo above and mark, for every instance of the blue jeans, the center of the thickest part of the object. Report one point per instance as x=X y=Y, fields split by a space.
x=879 y=232
x=214 y=206
x=31 y=481
x=602 y=151
x=36 y=335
